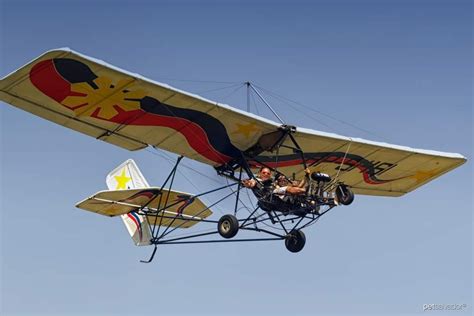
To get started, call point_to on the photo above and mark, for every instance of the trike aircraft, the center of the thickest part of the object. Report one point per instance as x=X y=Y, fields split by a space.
x=133 y=112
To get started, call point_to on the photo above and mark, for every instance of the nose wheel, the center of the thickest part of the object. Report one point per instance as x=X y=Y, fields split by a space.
x=345 y=196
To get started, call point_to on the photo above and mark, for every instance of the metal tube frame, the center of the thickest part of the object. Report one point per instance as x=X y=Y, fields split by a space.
x=250 y=223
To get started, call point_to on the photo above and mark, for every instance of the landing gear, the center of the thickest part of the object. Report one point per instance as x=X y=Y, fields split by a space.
x=344 y=195
x=228 y=226
x=295 y=241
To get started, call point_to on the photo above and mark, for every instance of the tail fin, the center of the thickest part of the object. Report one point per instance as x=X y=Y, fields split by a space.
x=128 y=176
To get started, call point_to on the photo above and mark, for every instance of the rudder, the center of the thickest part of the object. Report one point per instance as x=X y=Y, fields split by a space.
x=128 y=176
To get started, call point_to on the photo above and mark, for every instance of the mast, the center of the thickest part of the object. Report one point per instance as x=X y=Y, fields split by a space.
x=247 y=83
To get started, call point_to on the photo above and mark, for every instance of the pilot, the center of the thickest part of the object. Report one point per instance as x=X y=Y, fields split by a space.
x=262 y=184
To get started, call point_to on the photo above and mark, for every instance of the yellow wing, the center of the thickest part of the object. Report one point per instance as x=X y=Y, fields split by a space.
x=370 y=168
x=133 y=112
x=127 y=110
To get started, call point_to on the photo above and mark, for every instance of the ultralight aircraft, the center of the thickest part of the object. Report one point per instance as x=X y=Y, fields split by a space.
x=133 y=112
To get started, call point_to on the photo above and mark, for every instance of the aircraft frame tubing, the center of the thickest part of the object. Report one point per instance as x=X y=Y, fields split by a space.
x=247 y=224
x=250 y=223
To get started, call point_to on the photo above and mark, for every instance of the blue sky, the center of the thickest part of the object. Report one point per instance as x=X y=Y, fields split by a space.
x=400 y=69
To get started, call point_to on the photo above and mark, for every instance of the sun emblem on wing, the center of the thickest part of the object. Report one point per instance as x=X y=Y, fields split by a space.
x=423 y=176
x=247 y=130
x=103 y=99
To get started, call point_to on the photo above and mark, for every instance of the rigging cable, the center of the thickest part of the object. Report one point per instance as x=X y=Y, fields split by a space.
x=197 y=81
x=331 y=185
x=255 y=104
x=218 y=89
x=240 y=86
x=320 y=112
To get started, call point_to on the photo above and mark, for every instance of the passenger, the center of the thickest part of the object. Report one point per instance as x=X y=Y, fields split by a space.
x=285 y=188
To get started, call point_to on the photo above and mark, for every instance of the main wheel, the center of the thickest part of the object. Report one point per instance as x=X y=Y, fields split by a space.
x=295 y=241
x=228 y=226
x=344 y=195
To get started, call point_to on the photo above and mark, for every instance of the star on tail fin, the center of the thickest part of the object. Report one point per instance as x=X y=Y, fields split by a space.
x=128 y=176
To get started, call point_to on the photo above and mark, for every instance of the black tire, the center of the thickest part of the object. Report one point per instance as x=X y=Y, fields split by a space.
x=228 y=226
x=345 y=196
x=295 y=241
